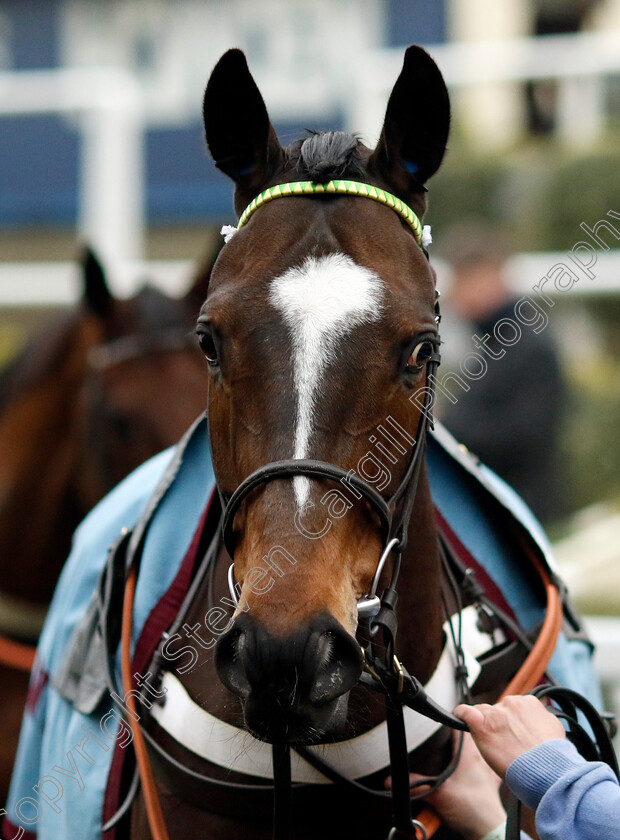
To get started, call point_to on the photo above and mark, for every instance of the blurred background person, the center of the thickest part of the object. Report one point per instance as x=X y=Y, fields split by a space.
x=510 y=417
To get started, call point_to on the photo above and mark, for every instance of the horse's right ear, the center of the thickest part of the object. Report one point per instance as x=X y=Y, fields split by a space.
x=96 y=294
x=239 y=134
x=416 y=127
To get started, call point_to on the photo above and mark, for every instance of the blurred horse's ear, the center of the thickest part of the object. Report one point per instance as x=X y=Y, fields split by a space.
x=96 y=294
x=416 y=127
x=197 y=292
x=239 y=134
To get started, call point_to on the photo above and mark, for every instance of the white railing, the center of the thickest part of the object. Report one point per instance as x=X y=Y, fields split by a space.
x=58 y=283
x=106 y=104
x=578 y=63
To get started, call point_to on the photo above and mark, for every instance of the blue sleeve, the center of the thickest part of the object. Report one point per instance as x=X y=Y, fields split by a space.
x=574 y=799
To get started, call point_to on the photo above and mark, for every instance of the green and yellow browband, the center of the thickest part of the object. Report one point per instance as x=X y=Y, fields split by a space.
x=298 y=188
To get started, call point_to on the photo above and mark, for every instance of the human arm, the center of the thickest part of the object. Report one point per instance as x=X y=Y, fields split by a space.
x=509 y=728
x=521 y=740
x=573 y=798
x=469 y=801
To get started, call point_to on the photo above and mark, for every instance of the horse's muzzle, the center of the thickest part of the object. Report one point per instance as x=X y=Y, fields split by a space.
x=293 y=689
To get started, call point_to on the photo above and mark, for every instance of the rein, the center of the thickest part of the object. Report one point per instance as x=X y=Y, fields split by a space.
x=149 y=788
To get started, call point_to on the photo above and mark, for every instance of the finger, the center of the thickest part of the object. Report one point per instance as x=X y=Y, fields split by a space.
x=421 y=789
x=472 y=715
x=413 y=777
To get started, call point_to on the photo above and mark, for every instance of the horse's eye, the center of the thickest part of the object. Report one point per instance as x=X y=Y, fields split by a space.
x=422 y=352
x=207 y=343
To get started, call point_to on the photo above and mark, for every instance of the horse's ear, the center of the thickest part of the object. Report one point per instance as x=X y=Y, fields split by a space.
x=239 y=134
x=416 y=127
x=96 y=294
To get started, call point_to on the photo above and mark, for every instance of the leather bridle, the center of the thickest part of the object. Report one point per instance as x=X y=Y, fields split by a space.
x=393 y=514
x=126 y=348
x=382 y=668
x=107 y=356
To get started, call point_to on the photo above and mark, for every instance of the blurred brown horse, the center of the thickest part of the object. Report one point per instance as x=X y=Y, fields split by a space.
x=92 y=395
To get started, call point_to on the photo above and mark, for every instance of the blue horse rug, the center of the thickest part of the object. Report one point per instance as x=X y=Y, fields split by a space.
x=67 y=776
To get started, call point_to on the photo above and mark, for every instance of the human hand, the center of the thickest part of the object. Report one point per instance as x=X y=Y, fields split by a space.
x=468 y=801
x=508 y=729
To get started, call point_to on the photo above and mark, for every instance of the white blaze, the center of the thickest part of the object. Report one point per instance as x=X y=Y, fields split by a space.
x=321 y=301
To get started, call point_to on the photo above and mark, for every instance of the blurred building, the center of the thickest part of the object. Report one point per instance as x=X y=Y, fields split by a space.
x=303 y=55
x=101 y=139
x=137 y=130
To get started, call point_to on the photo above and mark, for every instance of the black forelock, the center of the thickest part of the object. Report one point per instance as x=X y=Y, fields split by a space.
x=329 y=154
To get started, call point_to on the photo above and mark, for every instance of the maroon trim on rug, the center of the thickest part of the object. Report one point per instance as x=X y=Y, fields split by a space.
x=491 y=589
x=38 y=680
x=10 y=831
x=160 y=618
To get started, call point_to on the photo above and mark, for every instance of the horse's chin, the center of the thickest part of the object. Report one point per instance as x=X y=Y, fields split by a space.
x=301 y=725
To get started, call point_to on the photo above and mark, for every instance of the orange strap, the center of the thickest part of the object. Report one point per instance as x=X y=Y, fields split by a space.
x=16 y=655
x=538 y=658
x=149 y=789
x=530 y=672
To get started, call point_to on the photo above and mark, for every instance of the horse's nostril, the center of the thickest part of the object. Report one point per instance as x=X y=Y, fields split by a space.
x=316 y=665
x=229 y=661
x=325 y=648
x=339 y=666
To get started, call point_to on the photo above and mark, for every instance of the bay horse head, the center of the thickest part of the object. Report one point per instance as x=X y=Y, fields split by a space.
x=319 y=328
x=95 y=391
x=141 y=383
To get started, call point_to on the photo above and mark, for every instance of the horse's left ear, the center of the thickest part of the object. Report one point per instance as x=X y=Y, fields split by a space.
x=239 y=134
x=96 y=294
x=416 y=127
